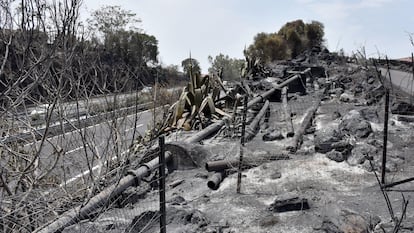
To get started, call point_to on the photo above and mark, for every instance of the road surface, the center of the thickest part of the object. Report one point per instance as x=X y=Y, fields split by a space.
x=102 y=141
x=400 y=79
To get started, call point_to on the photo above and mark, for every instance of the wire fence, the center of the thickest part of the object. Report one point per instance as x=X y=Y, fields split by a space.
x=269 y=136
x=274 y=131
x=68 y=133
x=129 y=199
x=398 y=106
x=70 y=124
x=139 y=207
x=42 y=178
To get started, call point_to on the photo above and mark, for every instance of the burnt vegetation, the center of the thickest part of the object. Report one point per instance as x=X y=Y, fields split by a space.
x=299 y=125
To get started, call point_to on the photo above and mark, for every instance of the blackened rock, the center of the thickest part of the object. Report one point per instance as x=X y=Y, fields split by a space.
x=290 y=204
x=370 y=114
x=329 y=227
x=335 y=156
x=337 y=91
x=346 y=223
x=402 y=108
x=177 y=200
x=271 y=136
x=324 y=140
x=360 y=152
x=374 y=95
x=352 y=222
x=342 y=146
x=354 y=124
x=185 y=216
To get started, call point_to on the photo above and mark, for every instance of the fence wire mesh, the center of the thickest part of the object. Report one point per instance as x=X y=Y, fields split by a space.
x=400 y=115
x=70 y=122
x=266 y=143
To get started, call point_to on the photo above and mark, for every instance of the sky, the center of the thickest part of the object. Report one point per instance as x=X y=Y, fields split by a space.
x=211 y=27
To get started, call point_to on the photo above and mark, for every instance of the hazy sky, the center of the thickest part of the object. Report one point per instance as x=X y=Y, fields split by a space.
x=210 y=27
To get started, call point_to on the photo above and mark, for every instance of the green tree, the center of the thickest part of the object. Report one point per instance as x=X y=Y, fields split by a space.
x=131 y=47
x=294 y=34
x=315 y=33
x=295 y=43
x=231 y=67
x=191 y=65
x=291 y=40
x=110 y=19
x=298 y=26
x=120 y=43
x=127 y=55
x=269 y=47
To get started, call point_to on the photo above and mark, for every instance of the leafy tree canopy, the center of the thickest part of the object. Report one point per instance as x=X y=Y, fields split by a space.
x=269 y=47
x=230 y=67
x=315 y=33
x=121 y=44
x=110 y=19
x=132 y=47
x=291 y=40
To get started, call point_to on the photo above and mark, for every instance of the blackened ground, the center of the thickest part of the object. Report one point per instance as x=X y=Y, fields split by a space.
x=342 y=196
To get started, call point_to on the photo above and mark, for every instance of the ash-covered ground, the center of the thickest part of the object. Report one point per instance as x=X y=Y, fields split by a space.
x=332 y=173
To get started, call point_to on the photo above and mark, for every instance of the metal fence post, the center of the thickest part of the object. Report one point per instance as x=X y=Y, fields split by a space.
x=242 y=141
x=163 y=214
x=384 y=151
x=412 y=66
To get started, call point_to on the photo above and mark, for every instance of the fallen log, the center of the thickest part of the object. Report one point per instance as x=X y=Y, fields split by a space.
x=252 y=128
x=287 y=113
x=215 y=180
x=222 y=165
x=213 y=128
x=307 y=121
x=268 y=93
x=176 y=183
x=405 y=118
x=82 y=212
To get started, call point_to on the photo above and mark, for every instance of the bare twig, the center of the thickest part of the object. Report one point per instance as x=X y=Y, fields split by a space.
x=383 y=191
x=403 y=213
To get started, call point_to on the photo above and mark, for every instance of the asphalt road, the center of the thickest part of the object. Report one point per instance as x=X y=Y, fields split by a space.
x=83 y=149
x=24 y=120
x=401 y=79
